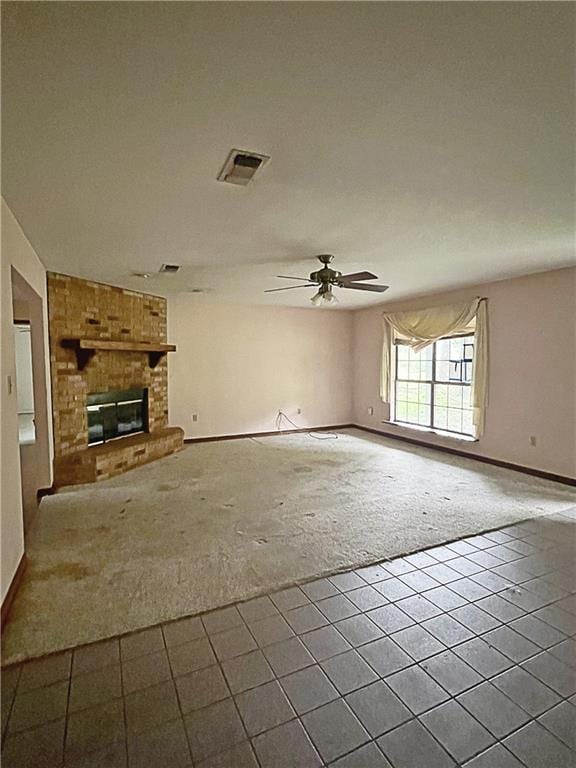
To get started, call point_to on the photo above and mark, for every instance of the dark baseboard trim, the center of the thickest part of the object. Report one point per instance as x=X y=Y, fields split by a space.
x=265 y=434
x=13 y=589
x=565 y=480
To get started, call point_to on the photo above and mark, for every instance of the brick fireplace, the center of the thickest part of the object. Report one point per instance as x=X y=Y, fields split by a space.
x=105 y=339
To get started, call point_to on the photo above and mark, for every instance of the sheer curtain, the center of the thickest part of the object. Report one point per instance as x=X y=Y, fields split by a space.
x=419 y=328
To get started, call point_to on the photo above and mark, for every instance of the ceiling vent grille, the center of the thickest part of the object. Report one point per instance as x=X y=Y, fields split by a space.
x=169 y=268
x=240 y=167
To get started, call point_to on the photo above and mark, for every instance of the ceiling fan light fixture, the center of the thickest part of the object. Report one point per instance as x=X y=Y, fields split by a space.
x=324 y=297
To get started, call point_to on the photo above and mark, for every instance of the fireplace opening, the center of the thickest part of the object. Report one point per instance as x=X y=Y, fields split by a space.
x=116 y=414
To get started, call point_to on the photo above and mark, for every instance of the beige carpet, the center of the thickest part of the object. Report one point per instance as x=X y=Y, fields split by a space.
x=225 y=521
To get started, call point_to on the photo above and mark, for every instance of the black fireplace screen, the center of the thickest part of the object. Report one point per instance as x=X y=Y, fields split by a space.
x=116 y=414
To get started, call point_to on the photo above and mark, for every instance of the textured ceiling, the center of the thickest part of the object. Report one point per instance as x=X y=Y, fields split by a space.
x=431 y=143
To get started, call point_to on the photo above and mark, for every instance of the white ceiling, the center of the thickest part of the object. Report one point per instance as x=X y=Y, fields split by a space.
x=431 y=143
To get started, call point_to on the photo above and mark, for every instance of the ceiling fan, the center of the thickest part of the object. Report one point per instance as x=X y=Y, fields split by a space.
x=327 y=278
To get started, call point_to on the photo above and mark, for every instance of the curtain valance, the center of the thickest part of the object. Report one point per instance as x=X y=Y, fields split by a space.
x=420 y=328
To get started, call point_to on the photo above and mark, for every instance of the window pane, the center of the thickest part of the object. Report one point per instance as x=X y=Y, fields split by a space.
x=414 y=370
x=401 y=390
x=402 y=369
x=401 y=352
x=467 y=425
x=454 y=420
x=424 y=393
x=413 y=410
x=440 y=417
x=455 y=397
x=413 y=390
x=426 y=369
x=424 y=415
x=401 y=413
x=441 y=394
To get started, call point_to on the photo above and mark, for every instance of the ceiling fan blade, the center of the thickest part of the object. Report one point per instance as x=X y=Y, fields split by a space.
x=362 y=287
x=285 y=277
x=289 y=287
x=359 y=276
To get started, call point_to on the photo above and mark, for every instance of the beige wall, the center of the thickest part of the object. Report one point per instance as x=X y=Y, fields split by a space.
x=236 y=366
x=532 y=377
x=17 y=253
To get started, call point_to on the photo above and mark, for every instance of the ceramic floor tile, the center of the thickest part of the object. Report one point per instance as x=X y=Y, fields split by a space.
x=94 y=728
x=416 y=689
x=359 y=630
x=287 y=746
x=290 y=598
x=144 y=671
x=320 y=589
x=493 y=709
x=325 y=642
x=214 y=729
x=37 y=748
x=538 y=748
x=39 y=706
x=458 y=732
x=166 y=745
x=140 y=643
x=335 y=730
x=272 y=629
x=366 y=598
x=41 y=672
x=257 y=609
x=88 y=658
x=368 y=756
x=247 y=671
x=378 y=708
x=239 y=756
x=417 y=642
x=390 y=618
x=337 y=607
x=191 y=656
x=561 y=721
x=553 y=672
x=151 y=707
x=200 y=689
x=515 y=646
x=394 y=589
x=418 y=607
x=264 y=708
x=447 y=630
x=483 y=657
x=305 y=619
x=222 y=620
x=412 y=746
x=288 y=656
x=183 y=630
x=348 y=671
x=308 y=689
x=347 y=581
x=233 y=642
x=451 y=672
x=95 y=688
x=528 y=692
x=494 y=757
x=385 y=657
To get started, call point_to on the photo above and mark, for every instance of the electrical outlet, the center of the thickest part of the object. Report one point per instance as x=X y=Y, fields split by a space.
x=370 y=411
x=533 y=440
x=194 y=417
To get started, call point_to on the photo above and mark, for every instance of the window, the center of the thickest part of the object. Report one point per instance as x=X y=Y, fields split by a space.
x=433 y=386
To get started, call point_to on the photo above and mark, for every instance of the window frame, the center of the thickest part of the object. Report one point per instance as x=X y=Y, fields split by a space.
x=432 y=382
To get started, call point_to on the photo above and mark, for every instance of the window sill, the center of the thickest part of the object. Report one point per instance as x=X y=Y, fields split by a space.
x=428 y=430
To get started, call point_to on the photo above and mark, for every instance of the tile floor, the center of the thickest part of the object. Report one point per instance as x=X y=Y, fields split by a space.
x=463 y=655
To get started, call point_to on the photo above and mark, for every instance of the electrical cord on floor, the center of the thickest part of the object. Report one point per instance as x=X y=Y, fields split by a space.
x=315 y=435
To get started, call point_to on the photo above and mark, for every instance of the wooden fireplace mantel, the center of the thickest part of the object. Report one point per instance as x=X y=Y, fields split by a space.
x=85 y=349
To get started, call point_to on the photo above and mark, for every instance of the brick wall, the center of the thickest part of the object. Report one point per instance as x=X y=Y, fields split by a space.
x=81 y=309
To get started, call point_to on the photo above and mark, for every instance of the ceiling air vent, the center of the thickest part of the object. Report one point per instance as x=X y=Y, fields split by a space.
x=240 y=167
x=169 y=268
